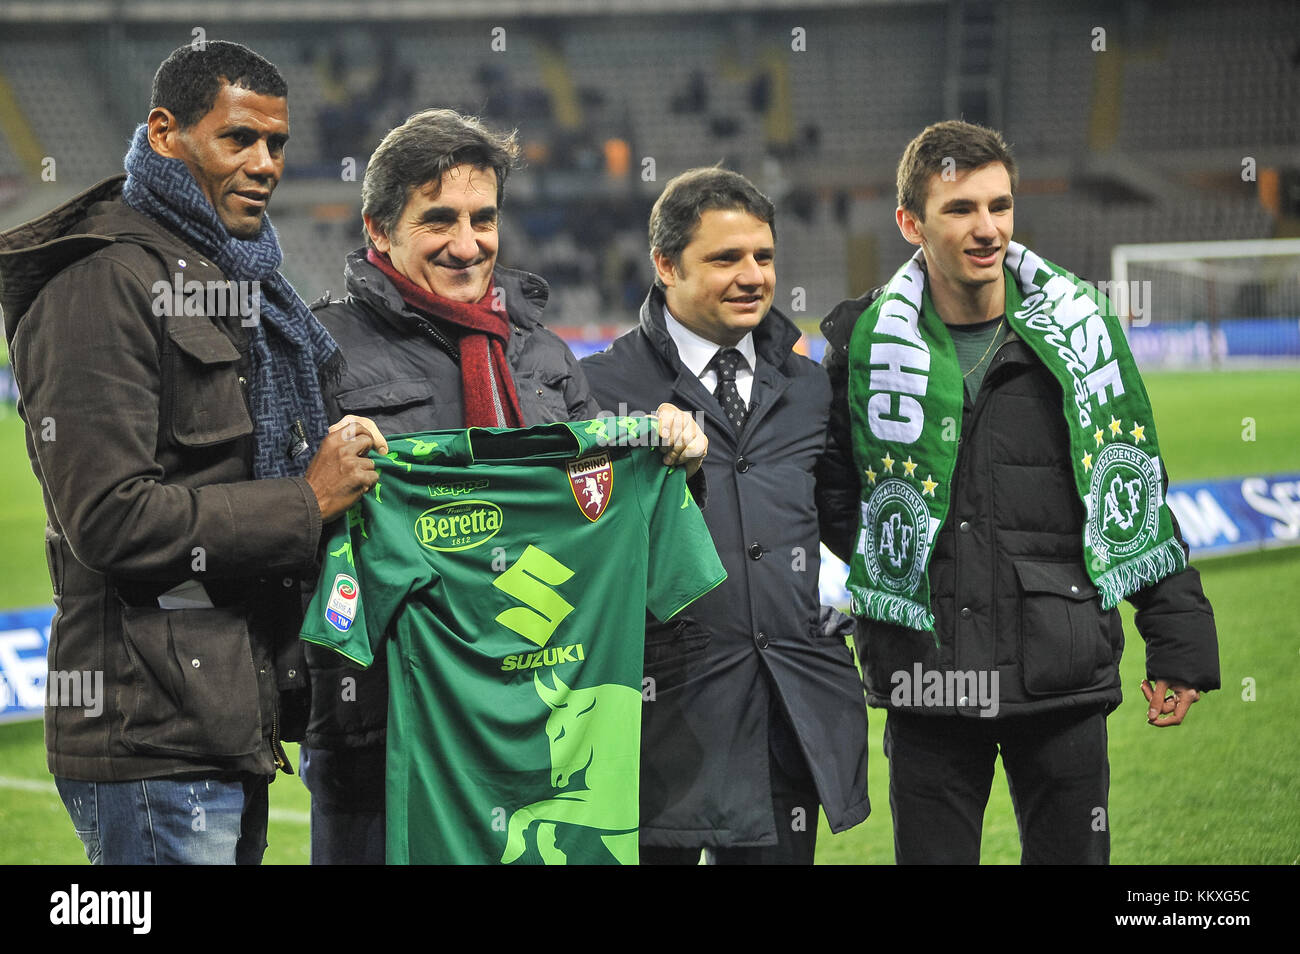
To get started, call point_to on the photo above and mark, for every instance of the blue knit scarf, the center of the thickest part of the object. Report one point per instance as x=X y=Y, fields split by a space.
x=291 y=350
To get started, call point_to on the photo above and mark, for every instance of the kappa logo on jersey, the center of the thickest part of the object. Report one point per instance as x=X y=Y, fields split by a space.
x=341 y=609
x=457 y=488
x=458 y=526
x=592 y=480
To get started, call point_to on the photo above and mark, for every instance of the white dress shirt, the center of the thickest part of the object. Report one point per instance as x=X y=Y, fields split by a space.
x=697 y=352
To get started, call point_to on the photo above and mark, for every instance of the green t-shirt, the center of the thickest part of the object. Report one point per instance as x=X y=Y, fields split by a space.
x=512 y=569
x=977 y=344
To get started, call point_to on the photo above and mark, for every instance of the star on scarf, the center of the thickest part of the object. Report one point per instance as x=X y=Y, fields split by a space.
x=1115 y=425
x=871 y=476
x=929 y=484
x=908 y=465
x=1087 y=461
x=1100 y=435
x=1138 y=432
x=888 y=462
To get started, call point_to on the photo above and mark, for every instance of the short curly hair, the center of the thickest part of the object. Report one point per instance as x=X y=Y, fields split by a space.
x=188 y=81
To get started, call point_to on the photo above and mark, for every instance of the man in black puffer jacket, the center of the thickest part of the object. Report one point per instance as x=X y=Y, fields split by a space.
x=436 y=335
x=1023 y=659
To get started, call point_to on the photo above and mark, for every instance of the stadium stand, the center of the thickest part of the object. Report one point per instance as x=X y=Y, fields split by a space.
x=1139 y=143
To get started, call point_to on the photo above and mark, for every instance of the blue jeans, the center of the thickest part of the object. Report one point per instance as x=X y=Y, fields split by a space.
x=169 y=821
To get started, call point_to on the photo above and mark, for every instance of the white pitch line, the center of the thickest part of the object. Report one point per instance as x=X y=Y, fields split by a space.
x=47 y=788
x=29 y=785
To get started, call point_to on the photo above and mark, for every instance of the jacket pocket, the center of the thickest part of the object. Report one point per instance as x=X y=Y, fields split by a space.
x=674 y=653
x=207 y=399
x=1064 y=645
x=191 y=688
x=387 y=396
x=399 y=406
x=544 y=389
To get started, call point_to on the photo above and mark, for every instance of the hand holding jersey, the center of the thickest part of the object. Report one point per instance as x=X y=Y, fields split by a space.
x=687 y=444
x=341 y=472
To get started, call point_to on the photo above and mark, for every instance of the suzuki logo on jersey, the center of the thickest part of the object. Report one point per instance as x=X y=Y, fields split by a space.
x=458 y=526
x=530 y=580
x=341 y=609
x=592 y=481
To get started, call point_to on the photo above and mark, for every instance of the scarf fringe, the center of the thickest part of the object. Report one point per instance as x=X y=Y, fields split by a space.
x=1150 y=567
x=890 y=608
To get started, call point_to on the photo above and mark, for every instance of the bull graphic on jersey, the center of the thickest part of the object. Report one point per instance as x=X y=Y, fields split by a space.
x=594 y=762
x=591 y=490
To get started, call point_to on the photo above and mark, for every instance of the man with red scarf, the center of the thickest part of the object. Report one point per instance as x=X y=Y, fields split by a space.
x=435 y=335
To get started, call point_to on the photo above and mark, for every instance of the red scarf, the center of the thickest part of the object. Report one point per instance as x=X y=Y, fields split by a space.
x=483 y=336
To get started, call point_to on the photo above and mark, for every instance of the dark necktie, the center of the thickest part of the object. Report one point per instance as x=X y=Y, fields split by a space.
x=725 y=362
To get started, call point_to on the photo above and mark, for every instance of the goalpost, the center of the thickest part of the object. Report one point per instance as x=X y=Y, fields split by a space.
x=1210 y=304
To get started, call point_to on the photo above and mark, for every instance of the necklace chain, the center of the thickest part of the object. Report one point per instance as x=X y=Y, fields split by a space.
x=1002 y=322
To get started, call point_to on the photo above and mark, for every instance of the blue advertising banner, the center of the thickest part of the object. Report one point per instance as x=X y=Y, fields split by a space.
x=24 y=638
x=1237 y=513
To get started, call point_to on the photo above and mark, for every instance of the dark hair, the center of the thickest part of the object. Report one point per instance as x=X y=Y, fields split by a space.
x=422 y=150
x=686 y=197
x=952 y=144
x=188 y=81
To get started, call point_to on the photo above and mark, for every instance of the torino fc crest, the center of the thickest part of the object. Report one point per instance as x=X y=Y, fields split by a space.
x=894 y=541
x=592 y=480
x=1123 y=502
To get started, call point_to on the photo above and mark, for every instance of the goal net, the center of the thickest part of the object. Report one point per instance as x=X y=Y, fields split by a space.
x=1210 y=304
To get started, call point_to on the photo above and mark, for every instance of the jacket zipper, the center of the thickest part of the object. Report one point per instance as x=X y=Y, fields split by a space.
x=438 y=339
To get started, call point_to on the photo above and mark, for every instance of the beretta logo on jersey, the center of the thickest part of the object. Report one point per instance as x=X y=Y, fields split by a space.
x=458 y=526
x=592 y=481
x=341 y=609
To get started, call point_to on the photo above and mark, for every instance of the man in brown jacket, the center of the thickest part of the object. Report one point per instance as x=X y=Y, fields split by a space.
x=170 y=381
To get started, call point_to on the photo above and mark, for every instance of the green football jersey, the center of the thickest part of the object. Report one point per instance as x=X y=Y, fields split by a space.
x=511 y=569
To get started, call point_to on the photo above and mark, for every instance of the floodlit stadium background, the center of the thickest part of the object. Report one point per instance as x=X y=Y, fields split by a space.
x=1133 y=123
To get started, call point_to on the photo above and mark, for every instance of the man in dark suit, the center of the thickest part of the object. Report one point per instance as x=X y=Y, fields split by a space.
x=752 y=719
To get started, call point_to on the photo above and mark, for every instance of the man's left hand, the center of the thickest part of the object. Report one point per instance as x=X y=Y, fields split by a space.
x=685 y=443
x=1163 y=711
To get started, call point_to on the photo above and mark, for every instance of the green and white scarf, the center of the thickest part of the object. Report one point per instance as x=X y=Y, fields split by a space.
x=905 y=395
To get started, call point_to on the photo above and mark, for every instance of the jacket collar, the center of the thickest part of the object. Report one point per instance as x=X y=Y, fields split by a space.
x=837 y=328
x=35 y=252
x=526 y=294
x=774 y=338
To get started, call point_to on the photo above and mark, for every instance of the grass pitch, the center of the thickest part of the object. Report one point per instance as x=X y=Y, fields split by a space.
x=1222 y=789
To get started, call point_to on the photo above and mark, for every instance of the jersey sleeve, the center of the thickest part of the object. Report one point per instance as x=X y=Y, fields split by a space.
x=683 y=563
x=350 y=610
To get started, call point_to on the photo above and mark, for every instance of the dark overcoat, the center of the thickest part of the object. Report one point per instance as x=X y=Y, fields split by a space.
x=719 y=670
